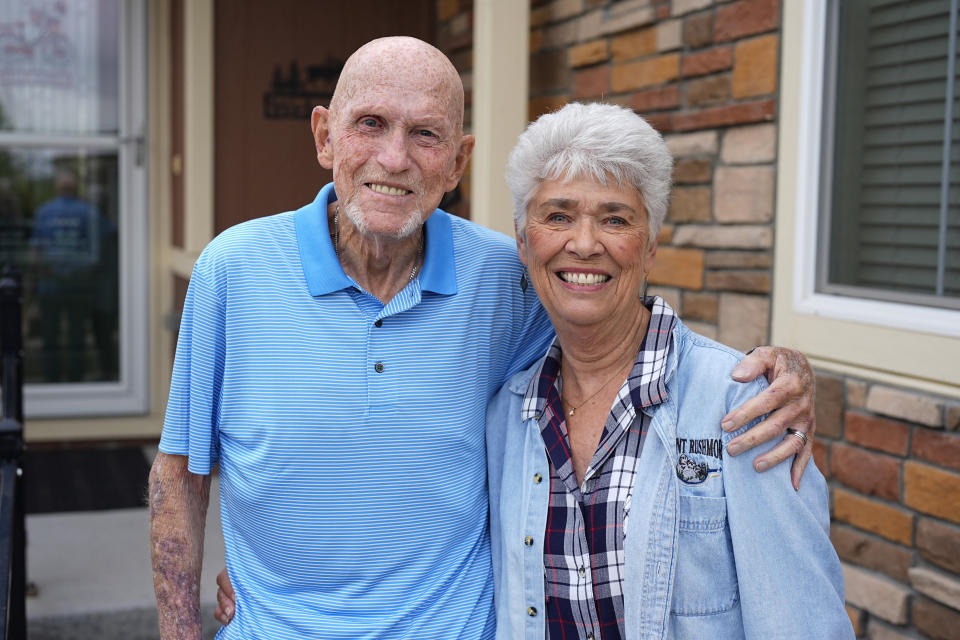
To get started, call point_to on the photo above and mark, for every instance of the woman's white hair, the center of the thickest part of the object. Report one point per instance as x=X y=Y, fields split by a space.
x=591 y=141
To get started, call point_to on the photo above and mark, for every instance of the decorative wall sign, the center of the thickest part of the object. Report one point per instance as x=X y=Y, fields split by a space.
x=60 y=66
x=38 y=50
x=295 y=93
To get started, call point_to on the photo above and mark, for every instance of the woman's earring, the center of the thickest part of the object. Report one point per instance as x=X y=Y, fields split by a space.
x=523 y=280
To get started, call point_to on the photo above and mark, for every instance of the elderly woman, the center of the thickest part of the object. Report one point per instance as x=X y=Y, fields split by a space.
x=615 y=511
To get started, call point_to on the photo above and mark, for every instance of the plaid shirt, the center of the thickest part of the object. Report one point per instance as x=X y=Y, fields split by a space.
x=586 y=524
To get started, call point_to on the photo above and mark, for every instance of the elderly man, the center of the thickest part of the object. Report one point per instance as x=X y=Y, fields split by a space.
x=336 y=361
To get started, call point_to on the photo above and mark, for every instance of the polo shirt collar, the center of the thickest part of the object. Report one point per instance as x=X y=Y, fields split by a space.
x=439 y=272
x=322 y=269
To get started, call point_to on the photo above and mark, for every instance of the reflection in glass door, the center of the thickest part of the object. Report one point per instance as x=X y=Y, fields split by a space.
x=69 y=153
x=59 y=227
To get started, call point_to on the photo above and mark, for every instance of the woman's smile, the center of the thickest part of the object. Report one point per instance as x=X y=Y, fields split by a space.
x=587 y=248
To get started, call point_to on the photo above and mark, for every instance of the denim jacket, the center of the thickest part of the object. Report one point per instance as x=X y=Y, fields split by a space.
x=712 y=548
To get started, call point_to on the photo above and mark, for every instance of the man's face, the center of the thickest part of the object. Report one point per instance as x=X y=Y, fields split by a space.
x=395 y=148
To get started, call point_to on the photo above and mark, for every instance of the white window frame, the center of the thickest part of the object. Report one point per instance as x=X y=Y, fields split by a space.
x=839 y=332
x=129 y=395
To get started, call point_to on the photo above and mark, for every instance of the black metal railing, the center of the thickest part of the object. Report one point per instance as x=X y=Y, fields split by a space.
x=13 y=561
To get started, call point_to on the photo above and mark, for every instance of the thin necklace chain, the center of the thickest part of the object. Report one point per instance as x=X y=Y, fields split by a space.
x=573 y=409
x=336 y=244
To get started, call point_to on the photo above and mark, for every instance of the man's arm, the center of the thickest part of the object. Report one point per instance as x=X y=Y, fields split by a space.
x=178 y=510
x=789 y=401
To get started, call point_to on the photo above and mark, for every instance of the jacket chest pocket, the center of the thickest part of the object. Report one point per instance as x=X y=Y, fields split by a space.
x=706 y=579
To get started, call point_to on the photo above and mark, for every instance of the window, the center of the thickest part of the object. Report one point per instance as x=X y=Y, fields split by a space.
x=72 y=199
x=891 y=169
x=861 y=182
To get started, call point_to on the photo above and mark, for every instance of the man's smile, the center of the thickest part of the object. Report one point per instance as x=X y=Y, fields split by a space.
x=386 y=189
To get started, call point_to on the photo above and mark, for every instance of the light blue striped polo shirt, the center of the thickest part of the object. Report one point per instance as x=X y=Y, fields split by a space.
x=351 y=451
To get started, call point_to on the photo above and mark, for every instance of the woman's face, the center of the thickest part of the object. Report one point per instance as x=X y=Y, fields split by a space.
x=588 y=250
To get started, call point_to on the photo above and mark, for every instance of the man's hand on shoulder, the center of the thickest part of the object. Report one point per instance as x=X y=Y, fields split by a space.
x=789 y=401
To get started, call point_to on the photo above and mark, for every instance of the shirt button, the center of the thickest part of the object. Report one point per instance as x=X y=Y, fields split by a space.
x=378 y=367
x=583 y=572
x=528 y=541
x=590 y=636
x=378 y=323
x=537 y=478
x=531 y=611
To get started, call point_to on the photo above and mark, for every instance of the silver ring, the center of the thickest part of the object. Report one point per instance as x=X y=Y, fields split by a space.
x=799 y=434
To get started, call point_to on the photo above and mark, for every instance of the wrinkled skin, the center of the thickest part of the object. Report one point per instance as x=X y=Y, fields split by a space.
x=790 y=402
x=178 y=508
x=393 y=138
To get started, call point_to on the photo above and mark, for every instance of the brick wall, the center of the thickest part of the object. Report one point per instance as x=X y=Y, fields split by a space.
x=706 y=76
x=893 y=461
x=705 y=73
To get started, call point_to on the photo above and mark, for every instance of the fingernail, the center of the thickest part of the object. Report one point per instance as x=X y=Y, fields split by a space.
x=738 y=371
x=727 y=424
x=796 y=487
x=734 y=448
x=761 y=466
x=228 y=611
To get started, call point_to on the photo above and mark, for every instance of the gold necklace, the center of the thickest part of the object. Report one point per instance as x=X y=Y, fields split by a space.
x=336 y=244
x=573 y=409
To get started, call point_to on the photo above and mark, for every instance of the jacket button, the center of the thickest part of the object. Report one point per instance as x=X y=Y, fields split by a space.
x=532 y=611
x=537 y=478
x=528 y=541
x=378 y=367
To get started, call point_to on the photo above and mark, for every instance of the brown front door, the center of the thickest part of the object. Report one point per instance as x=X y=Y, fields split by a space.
x=275 y=59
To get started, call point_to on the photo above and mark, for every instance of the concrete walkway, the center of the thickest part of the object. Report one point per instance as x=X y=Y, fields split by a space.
x=92 y=571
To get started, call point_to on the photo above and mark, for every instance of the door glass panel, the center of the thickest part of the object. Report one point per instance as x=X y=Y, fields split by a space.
x=58 y=225
x=59 y=66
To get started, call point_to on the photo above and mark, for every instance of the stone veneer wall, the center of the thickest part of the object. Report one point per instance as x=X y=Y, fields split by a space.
x=705 y=73
x=892 y=458
x=706 y=77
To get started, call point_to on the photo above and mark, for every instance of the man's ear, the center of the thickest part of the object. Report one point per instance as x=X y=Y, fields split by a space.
x=463 y=156
x=320 y=125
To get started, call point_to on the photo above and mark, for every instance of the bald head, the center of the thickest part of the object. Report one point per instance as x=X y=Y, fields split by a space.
x=393 y=136
x=406 y=63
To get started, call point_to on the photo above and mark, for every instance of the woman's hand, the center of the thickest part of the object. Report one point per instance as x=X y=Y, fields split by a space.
x=226 y=604
x=790 y=402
